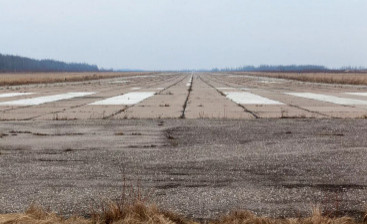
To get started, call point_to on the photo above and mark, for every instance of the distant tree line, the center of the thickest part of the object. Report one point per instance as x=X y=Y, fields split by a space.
x=291 y=68
x=9 y=63
x=277 y=68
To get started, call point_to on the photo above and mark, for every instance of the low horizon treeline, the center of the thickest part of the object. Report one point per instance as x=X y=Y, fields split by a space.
x=290 y=68
x=277 y=68
x=11 y=63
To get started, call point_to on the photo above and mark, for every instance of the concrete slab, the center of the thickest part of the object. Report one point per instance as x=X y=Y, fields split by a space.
x=358 y=94
x=7 y=95
x=206 y=99
x=86 y=111
x=206 y=102
x=294 y=106
x=126 y=99
x=329 y=98
x=76 y=108
x=249 y=98
x=165 y=104
x=46 y=99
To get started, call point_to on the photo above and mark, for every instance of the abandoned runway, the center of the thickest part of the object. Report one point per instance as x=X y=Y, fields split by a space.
x=272 y=146
x=183 y=96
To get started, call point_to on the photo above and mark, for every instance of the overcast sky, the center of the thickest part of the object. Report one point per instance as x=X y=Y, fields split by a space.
x=179 y=34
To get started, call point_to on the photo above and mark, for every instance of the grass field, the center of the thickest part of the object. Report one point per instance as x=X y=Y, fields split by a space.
x=34 y=78
x=333 y=78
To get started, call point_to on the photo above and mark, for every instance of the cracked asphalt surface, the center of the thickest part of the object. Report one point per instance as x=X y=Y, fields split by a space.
x=200 y=168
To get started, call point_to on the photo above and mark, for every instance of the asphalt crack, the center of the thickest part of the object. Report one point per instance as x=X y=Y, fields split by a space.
x=187 y=98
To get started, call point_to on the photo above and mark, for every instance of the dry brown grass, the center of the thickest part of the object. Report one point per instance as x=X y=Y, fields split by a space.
x=245 y=217
x=334 y=78
x=34 y=78
x=132 y=208
x=36 y=214
x=139 y=212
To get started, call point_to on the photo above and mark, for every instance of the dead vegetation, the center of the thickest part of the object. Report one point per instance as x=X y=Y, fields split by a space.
x=136 y=133
x=332 y=78
x=113 y=213
x=36 y=214
x=140 y=212
x=3 y=135
x=133 y=207
x=316 y=218
x=36 y=78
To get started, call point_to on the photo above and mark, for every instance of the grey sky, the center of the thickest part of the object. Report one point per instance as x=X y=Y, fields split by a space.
x=178 y=34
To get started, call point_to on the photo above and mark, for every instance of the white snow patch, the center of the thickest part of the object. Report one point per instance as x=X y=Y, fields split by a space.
x=249 y=98
x=190 y=82
x=120 y=81
x=135 y=88
x=329 y=99
x=225 y=88
x=137 y=77
x=358 y=94
x=4 y=95
x=270 y=81
x=126 y=99
x=46 y=99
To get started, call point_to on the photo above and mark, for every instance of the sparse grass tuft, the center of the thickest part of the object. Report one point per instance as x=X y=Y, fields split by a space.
x=133 y=207
x=119 y=133
x=168 y=93
x=37 y=215
x=140 y=212
x=3 y=135
x=246 y=217
x=137 y=212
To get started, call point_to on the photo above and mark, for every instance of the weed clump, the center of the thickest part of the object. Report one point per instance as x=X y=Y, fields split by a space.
x=246 y=217
x=140 y=212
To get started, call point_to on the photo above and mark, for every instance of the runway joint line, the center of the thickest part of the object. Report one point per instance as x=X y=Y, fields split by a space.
x=187 y=98
x=221 y=93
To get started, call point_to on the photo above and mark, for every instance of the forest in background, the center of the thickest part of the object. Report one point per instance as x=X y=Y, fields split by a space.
x=10 y=63
x=290 y=68
x=13 y=64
